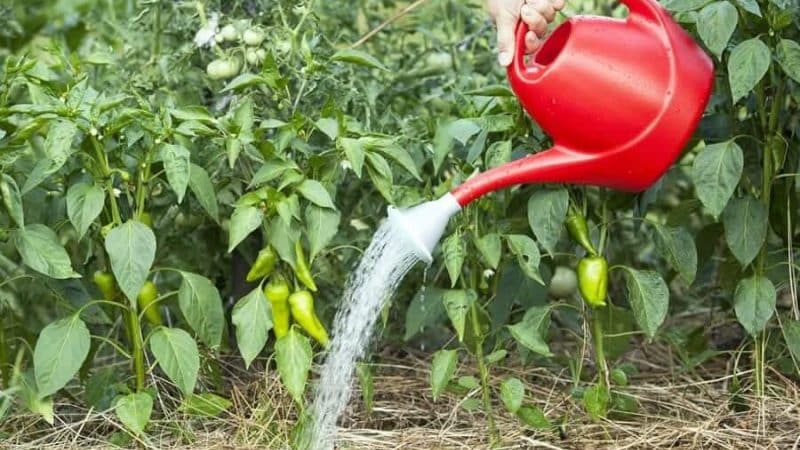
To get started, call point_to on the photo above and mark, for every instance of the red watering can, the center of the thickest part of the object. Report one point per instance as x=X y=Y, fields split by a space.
x=619 y=97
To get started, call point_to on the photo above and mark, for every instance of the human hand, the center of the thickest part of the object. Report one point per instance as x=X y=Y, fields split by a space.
x=537 y=14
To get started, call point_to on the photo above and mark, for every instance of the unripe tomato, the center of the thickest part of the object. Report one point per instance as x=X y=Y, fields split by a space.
x=261 y=54
x=563 y=283
x=222 y=68
x=253 y=37
x=440 y=60
x=228 y=33
x=251 y=56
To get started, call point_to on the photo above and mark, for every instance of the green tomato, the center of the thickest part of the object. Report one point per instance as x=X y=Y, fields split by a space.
x=251 y=56
x=253 y=37
x=228 y=33
x=440 y=60
x=222 y=68
x=261 y=54
x=564 y=282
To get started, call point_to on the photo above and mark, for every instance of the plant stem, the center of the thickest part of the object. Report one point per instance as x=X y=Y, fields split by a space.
x=4 y=373
x=137 y=352
x=141 y=183
x=106 y=171
x=599 y=352
x=758 y=362
x=484 y=372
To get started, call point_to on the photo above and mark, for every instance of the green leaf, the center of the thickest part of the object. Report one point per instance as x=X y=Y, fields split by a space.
x=533 y=417
x=358 y=57
x=495 y=90
x=649 y=298
x=719 y=20
x=457 y=304
x=57 y=148
x=442 y=146
x=32 y=400
x=684 y=5
x=443 y=367
x=527 y=255
x=595 y=400
x=84 y=204
x=746 y=221
x=131 y=248
x=177 y=355
x=244 y=220
x=367 y=385
x=282 y=237
x=512 y=393
x=477 y=147
x=425 y=310
x=463 y=129
x=207 y=404
x=177 y=167
x=271 y=170
x=42 y=252
x=716 y=172
x=200 y=184
x=201 y=304
x=747 y=64
x=244 y=80
x=59 y=353
x=468 y=382
x=401 y=157
x=316 y=193
x=252 y=318
x=490 y=247
x=531 y=331
x=754 y=303
x=134 y=411
x=329 y=126
x=354 y=151
x=788 y=55
x=547 y=209
x=293 y=356
x=12 y=199
x=197 y=113
x=498 y=154
x=678 y=247
x=791 y=333
x=322 y=224
x=750 y=6
x=455 y=252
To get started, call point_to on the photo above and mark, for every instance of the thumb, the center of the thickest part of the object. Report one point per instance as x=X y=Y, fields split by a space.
x=506 y=23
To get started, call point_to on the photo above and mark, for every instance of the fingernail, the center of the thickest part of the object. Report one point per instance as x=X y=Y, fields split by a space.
x=504 y=58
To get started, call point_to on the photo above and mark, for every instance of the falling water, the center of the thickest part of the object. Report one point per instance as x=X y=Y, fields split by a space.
x=384 y=264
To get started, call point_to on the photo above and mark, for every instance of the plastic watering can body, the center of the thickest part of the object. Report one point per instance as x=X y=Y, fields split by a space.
x=619 y=97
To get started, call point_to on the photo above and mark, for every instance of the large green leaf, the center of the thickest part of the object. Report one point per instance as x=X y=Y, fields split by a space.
x=512 y=393
x=791 y=333
x=716 y=172
x=207 y=404
x=177 y=167
x=322 y=224
x=490 y=246
x=244 y=220
x=41 y=251
x=457 y=303
x=134 y=411
x=527 y=255
x=200 y=184
x=455 y=252
x=443 y=367
x=425 y=310
x=679 y=249
x=747 y=64
x=131 y=248
x=316 y=193
x=176 y=353
x=84 y=204
x=58 y=148
x=531 y=331
x=201 y=304
x=719 y=20
x=12 y=199
x=293 y=356
x=547 y=209
x=358 y=57
x=746 y=221
x=252 y=318
x=648 y=296
x=788 y=55
x=754 y=303
x=59 y=353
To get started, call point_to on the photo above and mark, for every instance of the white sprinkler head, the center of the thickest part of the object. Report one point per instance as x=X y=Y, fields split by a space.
x=425 y=223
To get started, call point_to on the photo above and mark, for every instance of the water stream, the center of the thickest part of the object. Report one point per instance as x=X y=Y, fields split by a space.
x=383 y=265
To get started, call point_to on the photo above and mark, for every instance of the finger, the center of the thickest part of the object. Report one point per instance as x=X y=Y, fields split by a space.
x=545 y=8
x=535 y=21
x=532 y=42
x=506 y=22
x=558 y=5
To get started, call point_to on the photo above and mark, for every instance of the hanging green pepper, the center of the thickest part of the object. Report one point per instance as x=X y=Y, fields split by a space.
x=593 y=280
x=579 y=230
x=277 y=292
x=302 y=307
x=263 y=265
x=106 y=284
x=146 y=299
x=302 y=271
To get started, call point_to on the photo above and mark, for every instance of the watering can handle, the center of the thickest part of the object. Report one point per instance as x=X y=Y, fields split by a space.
x=639 y=10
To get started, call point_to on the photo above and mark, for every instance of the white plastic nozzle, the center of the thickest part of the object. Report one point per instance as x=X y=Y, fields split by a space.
x=425 y=223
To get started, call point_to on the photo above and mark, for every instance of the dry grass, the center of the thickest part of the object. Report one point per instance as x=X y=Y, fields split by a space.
x=676 y=410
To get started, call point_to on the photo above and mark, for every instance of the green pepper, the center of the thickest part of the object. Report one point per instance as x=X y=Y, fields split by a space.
x=301 y=304
x=277 y=292
x=146 y=299
x=579 y=230
x=301 y=270
x=106 y=284
x=593 y=280
x=146 y=219
x=263 y=265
